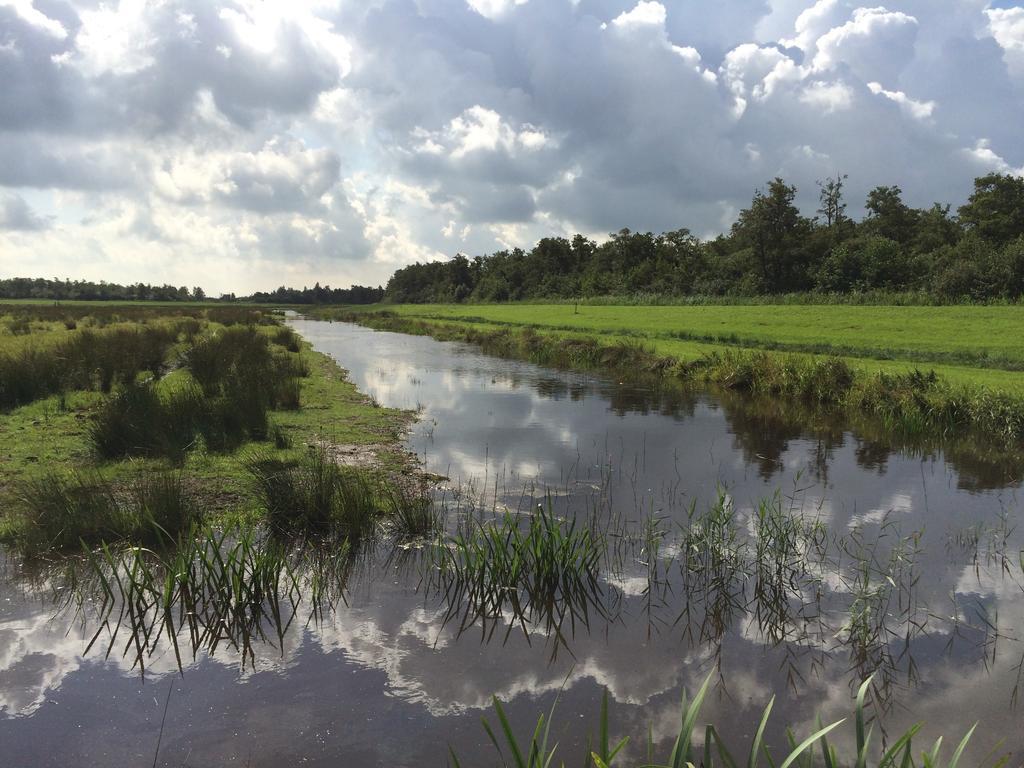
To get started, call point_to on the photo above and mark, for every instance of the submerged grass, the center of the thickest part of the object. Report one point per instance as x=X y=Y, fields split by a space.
x=538 y=569
x=218 y=588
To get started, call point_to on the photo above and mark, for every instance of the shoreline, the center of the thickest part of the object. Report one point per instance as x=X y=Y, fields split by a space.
x=917 y=405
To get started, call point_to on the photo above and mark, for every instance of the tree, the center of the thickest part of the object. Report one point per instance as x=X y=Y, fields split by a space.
x=771 y=227
x=995 y=210
x=889 y=216
x=831 y=198
x=198 y=294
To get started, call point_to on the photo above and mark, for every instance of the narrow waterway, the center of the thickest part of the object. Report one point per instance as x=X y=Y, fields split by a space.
x=387 y=678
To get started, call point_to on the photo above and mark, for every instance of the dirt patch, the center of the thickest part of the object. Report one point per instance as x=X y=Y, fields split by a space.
x=366 y=456
x=401 y=467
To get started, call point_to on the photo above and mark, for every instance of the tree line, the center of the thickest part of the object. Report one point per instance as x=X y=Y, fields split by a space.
x=357 y=294
x=85 y=290
x=976 y=254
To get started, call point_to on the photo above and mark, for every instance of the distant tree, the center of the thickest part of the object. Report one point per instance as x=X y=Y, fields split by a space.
x=198 y=294
x=772 y=226
x=935 y=228
x=833 y=208
x=995 y=210
x=889 y=216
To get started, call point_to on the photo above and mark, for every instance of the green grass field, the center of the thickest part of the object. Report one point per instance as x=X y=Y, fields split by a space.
x=978 y=345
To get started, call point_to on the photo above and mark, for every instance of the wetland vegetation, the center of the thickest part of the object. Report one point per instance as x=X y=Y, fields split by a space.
x=233 y=491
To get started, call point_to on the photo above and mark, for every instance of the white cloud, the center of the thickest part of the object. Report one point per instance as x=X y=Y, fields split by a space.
x=26 y=10
x=829 y=97
x=116 y=39
x=644 y=13
x=874 y=41
x=752 y=70
x=812 y=23
x=986 y=159
x=494 y=9
x=479 y=129
x=917 y=109
x=1007 y=27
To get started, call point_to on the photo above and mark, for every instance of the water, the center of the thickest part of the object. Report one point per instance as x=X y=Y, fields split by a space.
x=384 y=680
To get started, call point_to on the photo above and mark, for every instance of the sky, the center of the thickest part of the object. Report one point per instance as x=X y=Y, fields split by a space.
x=246 y=144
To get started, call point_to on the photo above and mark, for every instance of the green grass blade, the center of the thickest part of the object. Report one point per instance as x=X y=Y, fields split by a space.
x=803 y=745
x=961 y=747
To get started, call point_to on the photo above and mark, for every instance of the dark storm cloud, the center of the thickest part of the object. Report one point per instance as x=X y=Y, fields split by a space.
x=15 y=214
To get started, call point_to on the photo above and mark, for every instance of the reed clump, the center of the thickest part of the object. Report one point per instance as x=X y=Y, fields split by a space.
x=236 y=379
x=538 y=568
x=287 y=338
x=314 y=494
x=62 y=511
x=87 y=359
x=217 y=588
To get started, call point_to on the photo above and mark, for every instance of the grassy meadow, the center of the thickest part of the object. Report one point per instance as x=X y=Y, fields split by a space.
x=974 y=345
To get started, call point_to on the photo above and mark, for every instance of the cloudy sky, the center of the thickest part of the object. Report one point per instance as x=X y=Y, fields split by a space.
x=243 y=144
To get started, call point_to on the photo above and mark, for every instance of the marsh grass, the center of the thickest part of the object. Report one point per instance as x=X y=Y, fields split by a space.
x=57 y=511
x=287 y=338
x=86 y=359
x=537 y=568
x=411 y=513
x=163 y=507
x=60 y=512
x=231 y=588
x=138 y=420
x=897 y=752
x=236 y=380
x=313 y=494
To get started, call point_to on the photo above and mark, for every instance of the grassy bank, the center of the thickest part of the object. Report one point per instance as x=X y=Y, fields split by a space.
x=905 y=402
x=149 y=418
x=966 y=344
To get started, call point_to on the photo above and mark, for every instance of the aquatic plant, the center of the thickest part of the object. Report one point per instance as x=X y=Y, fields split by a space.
x=896 y=752
x=229 y=588
x=536 y=568
x=411 y=513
